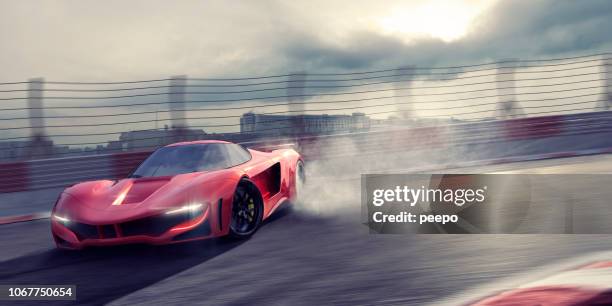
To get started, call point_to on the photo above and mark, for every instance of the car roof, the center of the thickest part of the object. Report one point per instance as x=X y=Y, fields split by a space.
x=184 y=143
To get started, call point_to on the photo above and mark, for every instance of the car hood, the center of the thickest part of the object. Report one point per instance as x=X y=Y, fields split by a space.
x=131 y=193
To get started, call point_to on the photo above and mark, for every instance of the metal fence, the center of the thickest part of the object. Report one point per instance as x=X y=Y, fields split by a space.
x=42 y=119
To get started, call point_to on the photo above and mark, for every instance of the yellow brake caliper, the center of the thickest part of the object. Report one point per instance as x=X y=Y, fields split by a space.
x=251 y=209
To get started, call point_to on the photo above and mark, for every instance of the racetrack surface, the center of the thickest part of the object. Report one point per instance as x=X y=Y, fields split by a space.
x=317 y=255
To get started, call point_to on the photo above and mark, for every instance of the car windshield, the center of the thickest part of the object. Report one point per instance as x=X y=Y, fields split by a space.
x=181 y=159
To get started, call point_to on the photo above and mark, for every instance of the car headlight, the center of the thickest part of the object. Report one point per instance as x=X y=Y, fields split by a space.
x=189 y=208
x=60 y=219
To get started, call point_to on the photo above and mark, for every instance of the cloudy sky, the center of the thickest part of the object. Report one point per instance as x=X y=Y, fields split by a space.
x=132 y=40
x=111 y=40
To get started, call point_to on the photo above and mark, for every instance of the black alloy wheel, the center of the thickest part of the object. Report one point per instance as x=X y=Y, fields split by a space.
x=247 y=210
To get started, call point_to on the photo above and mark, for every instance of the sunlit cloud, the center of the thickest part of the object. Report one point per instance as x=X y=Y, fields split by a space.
x=448 y=20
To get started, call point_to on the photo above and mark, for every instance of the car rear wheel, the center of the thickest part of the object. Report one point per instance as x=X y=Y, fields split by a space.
x=247 y=210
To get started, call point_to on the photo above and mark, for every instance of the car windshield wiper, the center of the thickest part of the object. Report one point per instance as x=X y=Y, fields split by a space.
x=135 y=176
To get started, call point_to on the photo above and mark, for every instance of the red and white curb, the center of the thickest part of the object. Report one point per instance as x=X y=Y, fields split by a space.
x=582 y=281
x=24 y=218
x=590 y=285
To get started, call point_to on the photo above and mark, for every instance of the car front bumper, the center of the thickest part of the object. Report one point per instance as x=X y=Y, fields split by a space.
x=157 y=229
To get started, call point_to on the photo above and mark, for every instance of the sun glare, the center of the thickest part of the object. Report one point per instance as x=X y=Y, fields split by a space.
x=447 y=20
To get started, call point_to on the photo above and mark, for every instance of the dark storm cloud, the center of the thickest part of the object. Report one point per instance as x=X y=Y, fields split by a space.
x=364 y=49
x=361 y=50
x=530 y=28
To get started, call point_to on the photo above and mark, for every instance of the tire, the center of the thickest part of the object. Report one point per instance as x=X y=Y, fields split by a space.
x=247 y=210
x=300 y=180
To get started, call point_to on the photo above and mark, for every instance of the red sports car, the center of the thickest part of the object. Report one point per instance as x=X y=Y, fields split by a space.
x=181 y=192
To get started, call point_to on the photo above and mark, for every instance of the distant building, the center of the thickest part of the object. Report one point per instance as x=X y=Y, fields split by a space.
x=150 y=139
x=279 y=125
x=37 y=148
x=12 y=149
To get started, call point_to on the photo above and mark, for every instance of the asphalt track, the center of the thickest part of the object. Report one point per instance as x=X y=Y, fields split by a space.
x=320 y=255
